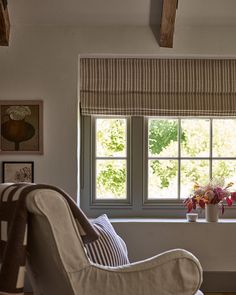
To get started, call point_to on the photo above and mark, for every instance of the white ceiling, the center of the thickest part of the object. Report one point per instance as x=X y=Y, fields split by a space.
x=207 y=12
x=119 y=12
x=83 y=12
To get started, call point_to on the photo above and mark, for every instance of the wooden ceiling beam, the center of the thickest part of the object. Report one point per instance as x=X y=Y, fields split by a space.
x=4 y=24
x=168 y=23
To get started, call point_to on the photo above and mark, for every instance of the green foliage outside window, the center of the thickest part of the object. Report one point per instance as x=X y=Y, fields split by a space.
x=112 y=179
x=111 y=136
x=111 y=174
x=163 y=142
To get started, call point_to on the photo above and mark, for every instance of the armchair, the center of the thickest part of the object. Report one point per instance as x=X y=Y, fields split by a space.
x=57 y=262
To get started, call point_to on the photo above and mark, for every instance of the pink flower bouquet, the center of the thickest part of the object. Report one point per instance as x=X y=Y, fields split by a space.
x=212 y=193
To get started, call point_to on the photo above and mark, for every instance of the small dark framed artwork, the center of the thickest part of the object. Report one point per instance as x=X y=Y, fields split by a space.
x=17 y=172
x=21 y=126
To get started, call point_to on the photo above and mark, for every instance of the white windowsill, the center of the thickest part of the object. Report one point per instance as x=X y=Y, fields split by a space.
x=167 y=220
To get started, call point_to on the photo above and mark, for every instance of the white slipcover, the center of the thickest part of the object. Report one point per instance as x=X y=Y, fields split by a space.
x=58 y=264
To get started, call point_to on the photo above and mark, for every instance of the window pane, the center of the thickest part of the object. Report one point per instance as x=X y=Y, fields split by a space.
x=195 y=138
x=224 y=139
x=193 y=171
x=225 y=169
x=111 y=178
x=162 y=179
x=163 y=138
x=111 y=137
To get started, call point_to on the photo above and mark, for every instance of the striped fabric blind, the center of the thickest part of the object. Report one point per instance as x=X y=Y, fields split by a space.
x=158 y=87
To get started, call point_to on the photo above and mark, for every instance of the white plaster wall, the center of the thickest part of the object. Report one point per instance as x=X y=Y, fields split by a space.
x=212 y=243
x=42 y=63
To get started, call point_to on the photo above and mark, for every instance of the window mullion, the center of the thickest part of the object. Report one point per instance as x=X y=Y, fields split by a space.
x=179 y=157
x=111 y=158
x=211 y=147
x=93 y=159
x=138 y=177
x=128 y=160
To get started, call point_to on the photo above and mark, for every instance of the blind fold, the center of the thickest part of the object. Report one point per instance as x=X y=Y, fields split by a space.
x=158 y=87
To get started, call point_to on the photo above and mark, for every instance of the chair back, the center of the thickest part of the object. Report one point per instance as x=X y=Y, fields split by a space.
x=55 y=248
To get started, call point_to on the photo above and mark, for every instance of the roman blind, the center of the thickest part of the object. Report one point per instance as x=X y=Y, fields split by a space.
x=158 y=87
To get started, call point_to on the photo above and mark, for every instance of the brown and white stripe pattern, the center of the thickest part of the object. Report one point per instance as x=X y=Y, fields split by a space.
x=158 y=87
x=13 y=232
x=109 y=249
x=13 y=241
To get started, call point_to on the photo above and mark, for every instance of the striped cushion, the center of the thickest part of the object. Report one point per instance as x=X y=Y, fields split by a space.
x=109 y=249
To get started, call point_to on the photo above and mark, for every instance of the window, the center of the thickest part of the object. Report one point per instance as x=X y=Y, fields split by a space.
x=183 y=151
x=110 y=163
x=137 y=166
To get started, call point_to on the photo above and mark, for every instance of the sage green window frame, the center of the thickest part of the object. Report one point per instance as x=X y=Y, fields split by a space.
x=137 y=203
x=179 y=158
x=133 y=206
x=109 y=202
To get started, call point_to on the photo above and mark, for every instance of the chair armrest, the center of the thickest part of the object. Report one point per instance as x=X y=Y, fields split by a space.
x=156 y=261
x=175 y=272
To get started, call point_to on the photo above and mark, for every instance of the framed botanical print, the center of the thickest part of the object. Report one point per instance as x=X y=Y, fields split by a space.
x=17 y=172
x=21 y=127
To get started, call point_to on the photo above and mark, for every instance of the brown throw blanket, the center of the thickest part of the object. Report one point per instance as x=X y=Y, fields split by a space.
x=13 y=232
